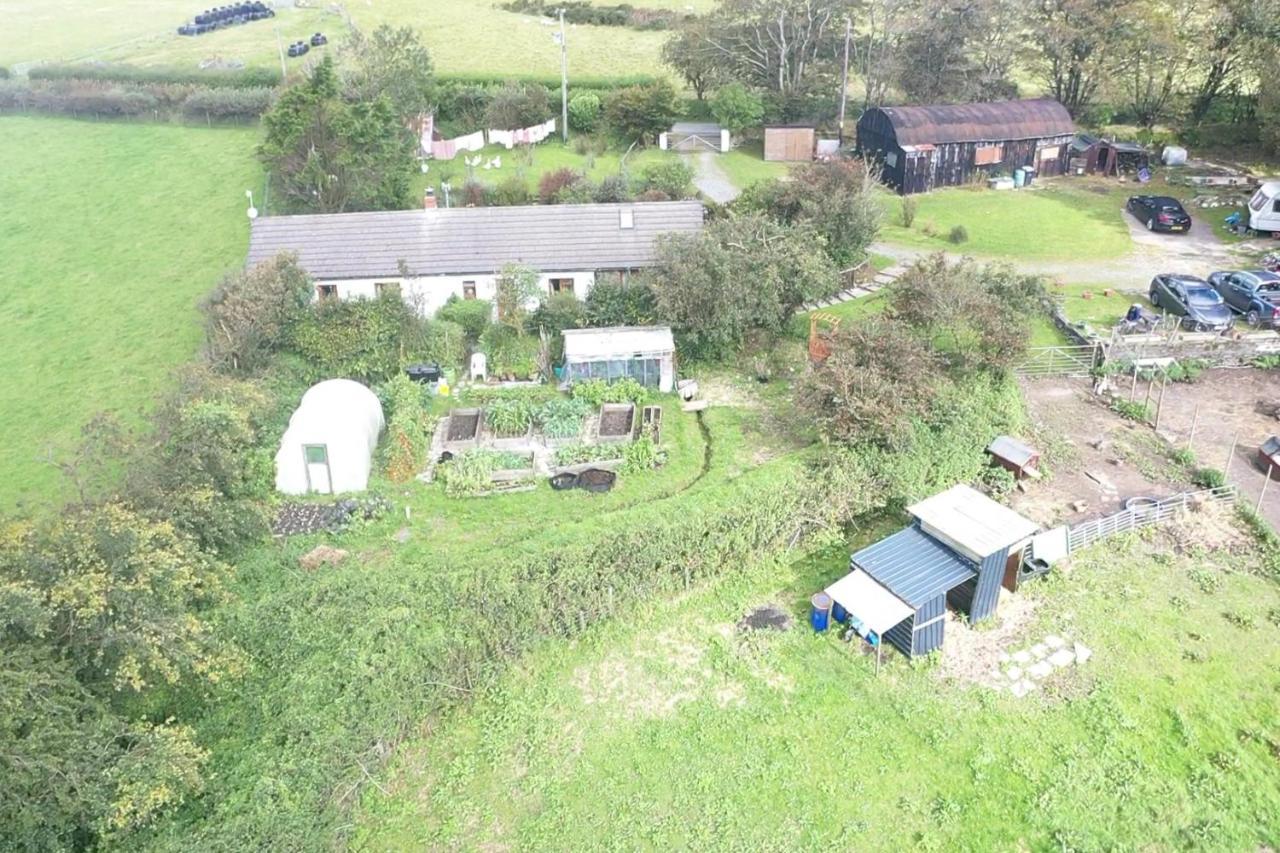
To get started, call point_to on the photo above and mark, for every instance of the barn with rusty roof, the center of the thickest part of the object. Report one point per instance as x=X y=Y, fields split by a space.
x=921 y=148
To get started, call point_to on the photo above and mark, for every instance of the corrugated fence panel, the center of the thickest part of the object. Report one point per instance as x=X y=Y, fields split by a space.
x=987 y=593
x=899 y=636
x=928 y=625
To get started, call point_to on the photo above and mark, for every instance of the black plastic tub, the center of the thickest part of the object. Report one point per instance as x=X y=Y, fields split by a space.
x=567 y=480
x=597 y=480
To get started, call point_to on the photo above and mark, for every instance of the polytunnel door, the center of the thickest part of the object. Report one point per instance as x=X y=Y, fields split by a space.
x=318 y=475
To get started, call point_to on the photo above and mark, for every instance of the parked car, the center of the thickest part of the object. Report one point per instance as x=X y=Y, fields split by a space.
x=1159 y=212
x=1253 y=293
x=1192 y=298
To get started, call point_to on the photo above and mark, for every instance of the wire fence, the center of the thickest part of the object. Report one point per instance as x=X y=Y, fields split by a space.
x=1144 y=515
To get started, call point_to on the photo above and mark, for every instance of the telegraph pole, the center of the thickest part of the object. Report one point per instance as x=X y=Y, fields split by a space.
x=284 y=73
x=564 y=82
x=844 y=77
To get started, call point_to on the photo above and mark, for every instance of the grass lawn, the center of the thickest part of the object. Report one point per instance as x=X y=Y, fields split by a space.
x=463 y=35
x=111 y=233
x=1089 y=303
x=1058 y=221
x=671 y=730
x=745 y=165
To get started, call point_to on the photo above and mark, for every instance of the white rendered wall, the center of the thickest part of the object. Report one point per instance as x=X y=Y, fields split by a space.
x=429 y=293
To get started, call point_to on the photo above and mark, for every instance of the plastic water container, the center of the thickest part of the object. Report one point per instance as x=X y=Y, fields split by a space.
x=1019 y=177
x=820 y=611
x=838 y=613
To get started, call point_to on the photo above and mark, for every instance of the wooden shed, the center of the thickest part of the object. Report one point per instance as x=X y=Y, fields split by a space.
x=790 y=142
x=921 y=148
x=1015 y=457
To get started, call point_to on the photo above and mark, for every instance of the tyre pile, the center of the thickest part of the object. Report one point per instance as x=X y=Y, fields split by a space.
x=226 y=16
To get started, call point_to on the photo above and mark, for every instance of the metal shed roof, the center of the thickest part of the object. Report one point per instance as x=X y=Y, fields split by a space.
x=464 y=240
x=869 y=601
x=1011 y=450
x=997 y=121
x=970 y=522
x=914 y=566
x=617 y=342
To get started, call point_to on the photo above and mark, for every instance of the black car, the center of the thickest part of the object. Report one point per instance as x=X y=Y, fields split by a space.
x=1253 y=293
x=1159 y=212
x=1193 y=299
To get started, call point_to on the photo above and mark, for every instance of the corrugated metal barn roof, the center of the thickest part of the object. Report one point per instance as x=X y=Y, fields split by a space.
x=997 y=121
x=462 y=241
x=914 y=566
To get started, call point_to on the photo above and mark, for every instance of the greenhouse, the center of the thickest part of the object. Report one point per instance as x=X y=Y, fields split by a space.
x=643 y=353
x=328 y=447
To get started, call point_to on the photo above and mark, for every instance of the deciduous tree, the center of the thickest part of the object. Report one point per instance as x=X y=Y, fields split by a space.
x=390 y=62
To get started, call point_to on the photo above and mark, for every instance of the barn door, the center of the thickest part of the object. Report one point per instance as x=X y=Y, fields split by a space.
x=319 y=477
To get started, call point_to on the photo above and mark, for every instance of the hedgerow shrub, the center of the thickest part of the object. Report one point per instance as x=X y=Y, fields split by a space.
x=584 y=112
x=228 y=103
x=358 y=338
x=409 y=428
x=553 y=184
x=473 y=315
x=672 y=177
x=236 y=78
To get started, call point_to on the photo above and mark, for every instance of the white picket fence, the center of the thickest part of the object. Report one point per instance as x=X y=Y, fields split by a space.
x=1088 y=532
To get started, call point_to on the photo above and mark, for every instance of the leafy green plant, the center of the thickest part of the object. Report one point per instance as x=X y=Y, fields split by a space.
x=997 y=481
x=958 y=234
x=576 y=454
x=409 y=428
x=467 y=474
x=509 y=417
x=642 y=454
x=1184 y=456
x=1267 y=362
x=908 y=212
x=1131 y=410
x=562 y=417
x=1209 y=478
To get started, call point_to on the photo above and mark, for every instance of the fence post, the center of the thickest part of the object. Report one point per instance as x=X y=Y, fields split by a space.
x=1257 y=509
x=1230 y=455
x=1160 y=402
x=1195 y=419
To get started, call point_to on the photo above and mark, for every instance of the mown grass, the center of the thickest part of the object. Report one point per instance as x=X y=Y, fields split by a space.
x=1058 y=221
x=110 y=234
x=670 y=730
x=463 y=36
x=1100 y=306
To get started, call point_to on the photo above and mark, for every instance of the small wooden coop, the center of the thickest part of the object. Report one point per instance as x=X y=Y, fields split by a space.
x=1015 y=457
x=789 y=143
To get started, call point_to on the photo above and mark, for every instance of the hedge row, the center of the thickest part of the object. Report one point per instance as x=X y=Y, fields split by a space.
x=223 y=78
x=551 y=81
x=351 y=660
x=115 y=100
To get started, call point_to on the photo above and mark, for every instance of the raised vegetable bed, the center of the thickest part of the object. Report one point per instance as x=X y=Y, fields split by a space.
x=617 y=422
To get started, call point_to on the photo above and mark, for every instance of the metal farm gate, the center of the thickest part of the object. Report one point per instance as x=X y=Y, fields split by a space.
x=1061 y=361
x=1088 y=532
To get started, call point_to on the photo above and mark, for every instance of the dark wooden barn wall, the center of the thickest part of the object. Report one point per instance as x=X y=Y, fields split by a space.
x=928 y=625
x=987 y=593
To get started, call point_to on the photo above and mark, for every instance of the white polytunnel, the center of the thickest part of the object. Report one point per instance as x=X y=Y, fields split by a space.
x=328 y=447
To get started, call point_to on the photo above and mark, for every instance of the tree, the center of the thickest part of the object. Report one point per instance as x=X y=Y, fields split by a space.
x=980 y=316
x=878 y=378
x=688 y=52
x=364 y=339
x=956 y=53
x=516 y=105
x=515 y=290
x=1227 y=34
x=1269 y=102
x=1080 y=43
x=391 y=63
x=327 y=155
x=836 y=198
x=743 y=274
x=737 y=108
x=620 y=303
x=1155 y=60
x=640 y=113
x=584 y=112
x=776 y=45
x=249 y=315
x=672 y=177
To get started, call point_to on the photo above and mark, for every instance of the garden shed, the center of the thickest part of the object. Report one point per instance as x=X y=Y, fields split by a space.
x=924 y=147
x=954 y=553
x=646 y=354
x=1015 y=456
x=328 y=446
x=789 y=142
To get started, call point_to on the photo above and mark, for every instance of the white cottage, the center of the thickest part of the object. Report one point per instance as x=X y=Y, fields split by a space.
x=428 y=255
x=328 y=447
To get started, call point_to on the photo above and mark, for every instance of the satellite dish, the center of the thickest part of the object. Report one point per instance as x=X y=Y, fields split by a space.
x=425 y=167
x=253 y=213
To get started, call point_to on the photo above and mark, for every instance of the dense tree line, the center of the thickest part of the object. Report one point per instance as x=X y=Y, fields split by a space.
x=1148 y=61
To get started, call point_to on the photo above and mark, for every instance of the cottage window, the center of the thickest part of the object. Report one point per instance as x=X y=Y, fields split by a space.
x=387 y=288
x=325 y=292
x=562 y=285
x=468 y=290
x=988 y=153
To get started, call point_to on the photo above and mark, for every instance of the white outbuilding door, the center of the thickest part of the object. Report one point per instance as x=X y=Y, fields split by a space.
x=318 y=478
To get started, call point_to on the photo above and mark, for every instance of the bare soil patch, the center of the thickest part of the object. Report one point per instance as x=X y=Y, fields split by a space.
x=614 y=422
x=972 y=655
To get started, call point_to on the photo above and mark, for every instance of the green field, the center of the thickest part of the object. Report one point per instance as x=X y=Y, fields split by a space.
x=1062 y=221
x=671 y=730
x=111 y=233
x=463 y=35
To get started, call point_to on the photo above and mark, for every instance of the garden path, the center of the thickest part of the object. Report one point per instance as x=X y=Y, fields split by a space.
x=711 y=180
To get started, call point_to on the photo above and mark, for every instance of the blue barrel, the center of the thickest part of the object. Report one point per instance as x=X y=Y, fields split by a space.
x=1019 y=177
x=838 y=613
x=820 y=612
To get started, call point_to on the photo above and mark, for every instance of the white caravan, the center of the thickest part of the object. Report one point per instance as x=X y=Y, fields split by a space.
x=1264 y=208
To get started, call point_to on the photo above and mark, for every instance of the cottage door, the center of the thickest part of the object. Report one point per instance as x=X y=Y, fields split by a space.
x=318 y=474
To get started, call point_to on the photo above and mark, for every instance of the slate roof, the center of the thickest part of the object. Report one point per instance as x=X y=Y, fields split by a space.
x=997 y=121
x=913 y=566
x=473 y=240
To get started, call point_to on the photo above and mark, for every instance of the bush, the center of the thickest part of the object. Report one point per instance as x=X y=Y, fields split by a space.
x=672 y=177
x=737 y=108
x=409 y=428
x=611 y=189
x=511 y=191
x=227 y=103
x=445 y=343
x=553 y=184
x=516 y=105
x=358 y=338
x=640 y=113
x=510 y=355
x=576 y=454
x=472 y=315
x=908 y=211
x=958 y=234
x=475 y=194
x=1209 y=478
x=619 y=303
x=584 y=112
x=250 y=315
x=233 y=78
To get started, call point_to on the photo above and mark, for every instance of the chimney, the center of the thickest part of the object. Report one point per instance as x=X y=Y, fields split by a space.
x=429 y=199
